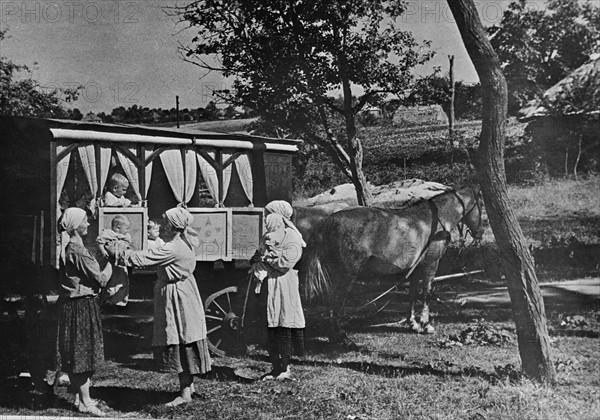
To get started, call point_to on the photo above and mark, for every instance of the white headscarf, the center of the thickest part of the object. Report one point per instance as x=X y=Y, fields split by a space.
x=182 y=219
x=70 y=220
x=285 y=209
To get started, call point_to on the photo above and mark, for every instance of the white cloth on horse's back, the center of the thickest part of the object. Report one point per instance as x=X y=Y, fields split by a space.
x=396 y=194
x=408 y=192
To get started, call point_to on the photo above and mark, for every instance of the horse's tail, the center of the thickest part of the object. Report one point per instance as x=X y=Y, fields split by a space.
x=317 y=277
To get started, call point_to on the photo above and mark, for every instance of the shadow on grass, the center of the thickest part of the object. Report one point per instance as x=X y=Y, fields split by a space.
x=443 y=370
x=128 y=400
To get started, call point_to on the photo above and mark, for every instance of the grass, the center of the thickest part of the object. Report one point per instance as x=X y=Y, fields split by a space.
x=393 y=374
x=557 y=212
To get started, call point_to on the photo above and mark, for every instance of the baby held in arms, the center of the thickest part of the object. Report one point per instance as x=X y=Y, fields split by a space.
x=154 y=240
x=269 y=249
x=117 y=236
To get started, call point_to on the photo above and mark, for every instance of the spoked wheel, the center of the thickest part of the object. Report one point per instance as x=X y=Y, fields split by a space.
x=222 y=322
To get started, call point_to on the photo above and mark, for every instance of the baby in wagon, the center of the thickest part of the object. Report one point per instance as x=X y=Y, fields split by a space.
x=118 y=236
x=269 y=248
x=115 y=193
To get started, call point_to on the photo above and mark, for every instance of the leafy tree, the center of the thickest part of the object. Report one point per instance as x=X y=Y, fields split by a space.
x=537 y=48
x=230 y=112
x=211 y=112
x=287 y=58
x=75 y=114
x=434 y=89
x=20 y=94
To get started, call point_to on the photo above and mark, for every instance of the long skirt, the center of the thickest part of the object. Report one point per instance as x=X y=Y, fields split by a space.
x=192 y=358
x=286 y=341
x=79 y=344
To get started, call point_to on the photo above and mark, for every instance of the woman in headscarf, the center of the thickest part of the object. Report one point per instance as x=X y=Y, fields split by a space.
x=179 y=338
x=285 y=316
x=80 y=345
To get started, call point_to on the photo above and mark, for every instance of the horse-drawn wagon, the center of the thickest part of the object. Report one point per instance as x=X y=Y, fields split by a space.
x=223 y=179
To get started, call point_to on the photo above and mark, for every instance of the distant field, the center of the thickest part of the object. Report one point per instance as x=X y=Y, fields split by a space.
x=222 y=126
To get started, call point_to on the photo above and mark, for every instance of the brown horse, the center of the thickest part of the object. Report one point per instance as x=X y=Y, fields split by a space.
x=408 y=242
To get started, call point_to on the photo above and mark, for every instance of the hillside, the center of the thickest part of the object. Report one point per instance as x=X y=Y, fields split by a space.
x=218 y=126
x=394 y=154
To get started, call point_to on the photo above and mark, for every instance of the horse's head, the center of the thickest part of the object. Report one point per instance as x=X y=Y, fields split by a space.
x=473 y=212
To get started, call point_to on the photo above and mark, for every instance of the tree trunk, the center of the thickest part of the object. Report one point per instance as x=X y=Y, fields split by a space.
x=515 y=259
x=355 y=151
x=452 y=94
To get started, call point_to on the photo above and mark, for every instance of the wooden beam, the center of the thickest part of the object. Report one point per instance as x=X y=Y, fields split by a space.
x=154 y=155
x=232 y=158
x=65 y=152
x=208 y=158
x=137 y=162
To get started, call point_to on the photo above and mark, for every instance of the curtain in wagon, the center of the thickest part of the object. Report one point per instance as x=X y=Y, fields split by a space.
x=182 y=184
x=62 y=168
x=244 y=170
x=131 y=170
x=226 y=176
x=147 y=152
x=88 y=161
x=210 y=175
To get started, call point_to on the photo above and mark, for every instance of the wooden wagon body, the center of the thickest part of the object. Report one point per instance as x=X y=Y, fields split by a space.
x=48 y=165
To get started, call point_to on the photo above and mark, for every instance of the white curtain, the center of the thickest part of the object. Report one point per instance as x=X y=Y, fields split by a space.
x=182 y=184
x=105 y=154
x=131 y=171
x=244 y=170
x=226 y=177
x=147 y=152
x=88 y=161
x=210 y=175
x=62 y=167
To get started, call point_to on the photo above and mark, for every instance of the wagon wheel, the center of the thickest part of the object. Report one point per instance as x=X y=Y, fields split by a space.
x=221 y=319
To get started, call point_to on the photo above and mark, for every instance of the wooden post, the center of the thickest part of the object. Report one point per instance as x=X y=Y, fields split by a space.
x=42 y=238
x=34 y=240
x=219 y=160
x=451 y=116
x=177 y=109
x=183 y=153
x=142 y=174
x=98 y=171
x=53 y=203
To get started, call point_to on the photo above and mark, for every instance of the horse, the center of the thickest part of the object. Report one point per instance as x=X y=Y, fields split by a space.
x=308 y=219
x=406 y=242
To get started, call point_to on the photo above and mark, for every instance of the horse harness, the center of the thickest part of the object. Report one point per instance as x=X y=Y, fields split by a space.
x=434 y=236
x=466 y=213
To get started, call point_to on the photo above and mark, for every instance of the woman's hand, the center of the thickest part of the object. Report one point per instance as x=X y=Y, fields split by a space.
x=111 y=249
x=256 y=258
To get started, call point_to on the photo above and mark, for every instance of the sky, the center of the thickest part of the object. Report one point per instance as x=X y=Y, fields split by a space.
x=125 y=52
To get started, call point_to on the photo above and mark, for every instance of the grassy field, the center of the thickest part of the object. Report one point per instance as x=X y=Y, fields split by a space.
x=467 y=370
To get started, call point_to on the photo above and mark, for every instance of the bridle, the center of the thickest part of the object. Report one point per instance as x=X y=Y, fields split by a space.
x=463 y=234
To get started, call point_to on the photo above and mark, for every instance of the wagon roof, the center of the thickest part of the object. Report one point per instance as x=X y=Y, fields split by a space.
x=126 y=133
